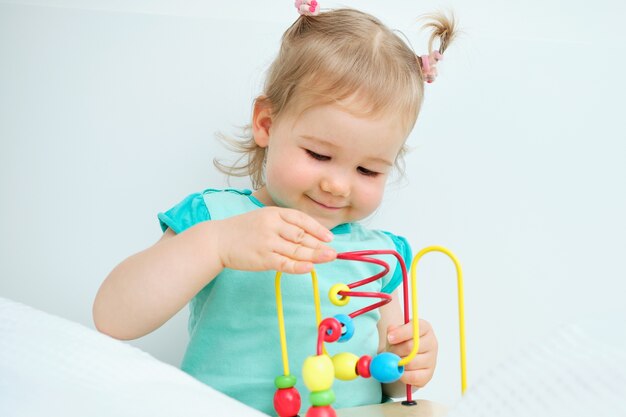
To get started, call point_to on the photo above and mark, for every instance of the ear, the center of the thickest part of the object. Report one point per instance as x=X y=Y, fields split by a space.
x=261 y=121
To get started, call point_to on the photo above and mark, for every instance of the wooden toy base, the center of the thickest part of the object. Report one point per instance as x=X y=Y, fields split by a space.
x=424 y=408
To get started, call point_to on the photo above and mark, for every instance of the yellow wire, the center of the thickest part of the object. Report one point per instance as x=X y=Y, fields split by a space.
x=281 y=316
x=415 y=321
x=316 y=300
x=281 y=324
x=459 y=274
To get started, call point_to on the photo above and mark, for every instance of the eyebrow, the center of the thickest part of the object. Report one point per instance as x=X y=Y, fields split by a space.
x=320 y=140
x=332 y=145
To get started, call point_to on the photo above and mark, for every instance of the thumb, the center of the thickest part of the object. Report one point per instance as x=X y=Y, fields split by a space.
x=392 y=337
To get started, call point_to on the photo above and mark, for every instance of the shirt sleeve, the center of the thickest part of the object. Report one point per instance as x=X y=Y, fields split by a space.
x=189 y=212
x=404 y=249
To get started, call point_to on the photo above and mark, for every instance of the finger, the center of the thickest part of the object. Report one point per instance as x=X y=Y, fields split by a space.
x=399 y=334
x=297 y=252
x=402 y=349
x=418 y=378
x=405 y=348
x=425 y=327
x=422 y=361
x=289 y=266
x=306 y=222
x=426 y=344
x=296 y=234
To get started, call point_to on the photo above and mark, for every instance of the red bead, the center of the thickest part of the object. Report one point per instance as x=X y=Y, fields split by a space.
x=324 y=411
x=363 y=366
x=287 y=402
x=333 y=329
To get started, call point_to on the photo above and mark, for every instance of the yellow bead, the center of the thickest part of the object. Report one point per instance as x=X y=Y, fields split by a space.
x=318 y=373
x=335 y=298
x=345 y=366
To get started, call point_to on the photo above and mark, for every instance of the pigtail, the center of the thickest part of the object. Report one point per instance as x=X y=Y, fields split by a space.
x=443 y=28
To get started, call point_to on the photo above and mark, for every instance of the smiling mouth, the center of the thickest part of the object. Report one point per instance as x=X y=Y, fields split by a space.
x=324 y=205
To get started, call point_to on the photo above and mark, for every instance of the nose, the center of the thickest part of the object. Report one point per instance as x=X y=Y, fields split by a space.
x=337 y=184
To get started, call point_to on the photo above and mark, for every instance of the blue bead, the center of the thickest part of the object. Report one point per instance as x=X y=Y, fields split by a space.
x=384 y=367
x=347 y=327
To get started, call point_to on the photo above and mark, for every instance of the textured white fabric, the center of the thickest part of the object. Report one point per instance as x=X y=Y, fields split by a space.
x=50 y=366
x=580 y=371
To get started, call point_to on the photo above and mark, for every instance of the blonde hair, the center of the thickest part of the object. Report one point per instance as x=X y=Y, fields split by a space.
x=332 y=57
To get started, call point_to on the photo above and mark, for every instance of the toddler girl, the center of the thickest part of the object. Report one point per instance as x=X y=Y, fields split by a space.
x=339 y=101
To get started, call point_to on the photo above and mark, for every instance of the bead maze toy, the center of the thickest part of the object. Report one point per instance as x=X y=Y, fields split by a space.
x=319 y=370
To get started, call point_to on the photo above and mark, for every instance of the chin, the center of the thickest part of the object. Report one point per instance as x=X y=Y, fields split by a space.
x=329 y=224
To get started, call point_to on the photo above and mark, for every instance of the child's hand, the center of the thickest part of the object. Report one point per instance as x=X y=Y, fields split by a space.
x=400 y=341
x=274 y=238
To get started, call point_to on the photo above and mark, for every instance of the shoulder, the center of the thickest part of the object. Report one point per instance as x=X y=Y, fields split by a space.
x=210 y=204
x=231 y=194
x=224 y=203
x=359 y=232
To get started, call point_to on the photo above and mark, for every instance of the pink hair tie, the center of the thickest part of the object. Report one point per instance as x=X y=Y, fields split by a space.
x=307 y=7
x=430 y=69
x=425 y=64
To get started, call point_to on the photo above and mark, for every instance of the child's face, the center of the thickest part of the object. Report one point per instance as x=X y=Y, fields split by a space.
x=329 y=163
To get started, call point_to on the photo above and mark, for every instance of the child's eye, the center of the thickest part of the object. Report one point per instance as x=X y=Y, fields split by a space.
x=317 y=156
x=367 y=172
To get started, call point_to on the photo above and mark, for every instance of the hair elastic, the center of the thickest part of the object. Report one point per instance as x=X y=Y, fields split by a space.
x=429 y=65
x=307 y=7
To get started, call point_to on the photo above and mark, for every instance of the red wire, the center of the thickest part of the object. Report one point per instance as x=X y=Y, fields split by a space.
x=405 y=282
x=386 y=298
x=320 y=339
x=353 y=256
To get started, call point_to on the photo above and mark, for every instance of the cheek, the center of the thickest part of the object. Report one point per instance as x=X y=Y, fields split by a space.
x=372 y=195
x=286 y=171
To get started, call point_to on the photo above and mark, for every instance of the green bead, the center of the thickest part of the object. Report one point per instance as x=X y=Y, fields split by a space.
x=285 y=381
x=322 y=398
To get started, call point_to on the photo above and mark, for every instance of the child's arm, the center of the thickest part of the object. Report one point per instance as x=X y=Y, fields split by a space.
x=148 y=288
x=397 y=337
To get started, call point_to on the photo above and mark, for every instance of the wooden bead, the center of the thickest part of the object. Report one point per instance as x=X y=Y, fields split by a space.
x=347 y=327
x=333 y=332
x=318 y=373
x=325 y=411
x=363 y=366
x=321 y=398
x=384 y=367
x=285 y=381
x=287 y=402
x=345 y=366
x=335 y=298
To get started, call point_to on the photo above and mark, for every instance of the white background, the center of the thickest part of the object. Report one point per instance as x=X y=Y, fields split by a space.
x=108 y=112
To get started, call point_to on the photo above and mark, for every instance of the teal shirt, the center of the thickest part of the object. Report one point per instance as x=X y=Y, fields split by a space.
x=234 y=342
